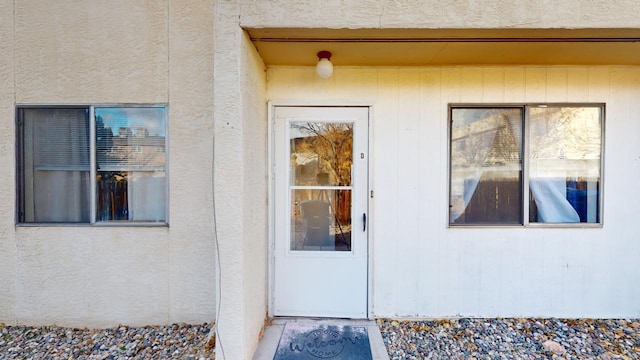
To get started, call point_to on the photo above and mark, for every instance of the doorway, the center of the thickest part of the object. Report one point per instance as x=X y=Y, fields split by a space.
x=321 y=166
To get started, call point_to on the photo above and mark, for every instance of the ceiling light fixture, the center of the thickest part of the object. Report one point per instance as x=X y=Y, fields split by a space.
x=324 y=67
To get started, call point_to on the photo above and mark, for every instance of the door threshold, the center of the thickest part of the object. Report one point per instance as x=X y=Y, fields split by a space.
x=281 y=320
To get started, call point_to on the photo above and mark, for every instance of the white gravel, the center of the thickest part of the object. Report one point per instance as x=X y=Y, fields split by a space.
x=512 y=338
x=177 y=341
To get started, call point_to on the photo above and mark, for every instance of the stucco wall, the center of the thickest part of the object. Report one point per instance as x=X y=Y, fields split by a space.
x=7 y=111
x=422 y=268
x=255 y=247
x=93 y=52
x=240 y=185
x=439 y=14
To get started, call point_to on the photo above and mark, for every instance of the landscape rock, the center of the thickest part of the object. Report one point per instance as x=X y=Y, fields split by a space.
x=176 y=341
x=554 y=347
x=512 y=338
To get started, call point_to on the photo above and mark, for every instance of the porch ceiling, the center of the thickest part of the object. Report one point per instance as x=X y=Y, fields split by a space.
x=435 y=47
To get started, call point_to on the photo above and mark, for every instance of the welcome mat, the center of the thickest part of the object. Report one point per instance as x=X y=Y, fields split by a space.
x=315 y=341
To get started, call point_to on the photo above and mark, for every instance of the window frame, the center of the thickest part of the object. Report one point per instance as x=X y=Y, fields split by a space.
x=20 y=178
x=525 y=188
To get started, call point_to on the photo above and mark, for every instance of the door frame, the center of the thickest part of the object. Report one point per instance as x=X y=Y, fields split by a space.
x=271 y=238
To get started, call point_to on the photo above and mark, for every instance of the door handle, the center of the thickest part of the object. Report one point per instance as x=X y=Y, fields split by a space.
x=364 y=222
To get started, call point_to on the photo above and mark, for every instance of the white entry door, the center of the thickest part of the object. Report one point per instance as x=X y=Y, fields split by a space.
x=320 y=195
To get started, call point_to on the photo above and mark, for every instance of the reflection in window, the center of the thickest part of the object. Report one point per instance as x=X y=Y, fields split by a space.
x=563 y=163
x=131 y=160
x=321 y=153
x=486 y=171
x=321 y=156
x=316 y=222
x=55 y=166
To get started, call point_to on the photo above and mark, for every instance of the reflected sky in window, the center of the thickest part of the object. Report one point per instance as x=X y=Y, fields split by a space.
x=150 y=118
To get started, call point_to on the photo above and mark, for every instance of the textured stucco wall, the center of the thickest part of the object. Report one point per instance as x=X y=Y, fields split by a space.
x=94 y=52
x=440 y=14
x=228 y=180
x=90 y=51
x=240 y=184
x=7 y=111
x=191 y=244
x=254 y=117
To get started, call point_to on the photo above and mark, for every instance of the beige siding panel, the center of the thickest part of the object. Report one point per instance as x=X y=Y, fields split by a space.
x=535 y=85
x=597 y=246
x=488 y=271
x=471 y=85
x=578 y=84
x=408 y=164
x=433 y=122
x=385 y=155
x=448 y=251
x=557 y=83
x=491 y=267
x=514 y=84
x=493 y=82
x=469 y=254
x=599 y=84
x=355 y=80
x=621 y=180
x=633 y=154
x=509 y=297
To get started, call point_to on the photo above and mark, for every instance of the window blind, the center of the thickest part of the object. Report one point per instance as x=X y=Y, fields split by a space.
x=60 y=138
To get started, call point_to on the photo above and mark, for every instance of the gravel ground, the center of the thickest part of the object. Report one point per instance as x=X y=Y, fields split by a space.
x=469 y=339
x=178 y=341
x=512 y=339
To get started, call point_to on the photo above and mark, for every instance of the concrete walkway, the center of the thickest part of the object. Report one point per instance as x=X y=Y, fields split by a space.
x=269 y=342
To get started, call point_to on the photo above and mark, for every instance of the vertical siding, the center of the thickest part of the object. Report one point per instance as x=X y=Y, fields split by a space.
x=423 y=268
x=385 y=158
x=430 y=130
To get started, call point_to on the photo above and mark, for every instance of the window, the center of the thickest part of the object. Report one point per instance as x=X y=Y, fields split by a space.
x=551 y=153
x=91 y=164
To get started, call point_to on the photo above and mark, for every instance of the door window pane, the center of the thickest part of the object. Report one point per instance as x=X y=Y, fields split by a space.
x=486 y=166
x=321 y=153
x=564 y=166
x=321 y=220
x=321 y=157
